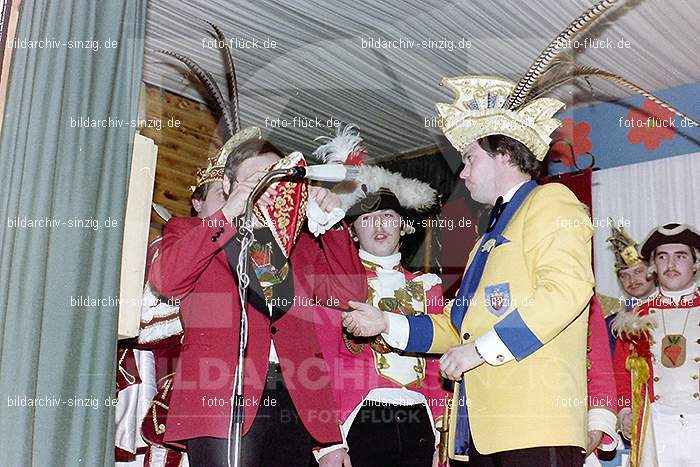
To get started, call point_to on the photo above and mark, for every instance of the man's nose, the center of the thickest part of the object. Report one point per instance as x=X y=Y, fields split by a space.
x=465 y=172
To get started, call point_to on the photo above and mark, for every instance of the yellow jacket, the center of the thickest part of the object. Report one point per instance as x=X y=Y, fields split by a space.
x=538 y=398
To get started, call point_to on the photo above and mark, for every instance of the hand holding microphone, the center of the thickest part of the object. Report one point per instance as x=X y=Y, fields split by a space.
x=236 y=202
x=327 y=201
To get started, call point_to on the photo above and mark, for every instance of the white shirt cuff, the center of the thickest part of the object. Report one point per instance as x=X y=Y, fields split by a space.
x=397 y=337
x=605 y=421
x=319 y=453
x=492 y=349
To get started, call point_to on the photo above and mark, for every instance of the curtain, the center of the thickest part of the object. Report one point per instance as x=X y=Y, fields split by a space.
x=65 y=153
x=641 y=197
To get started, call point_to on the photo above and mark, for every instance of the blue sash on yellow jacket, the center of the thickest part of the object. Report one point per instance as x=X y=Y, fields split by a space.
x=421 y=341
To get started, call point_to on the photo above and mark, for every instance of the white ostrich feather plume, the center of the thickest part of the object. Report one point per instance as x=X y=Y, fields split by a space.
x=347 y=140
x=411 y=193
x=628 y=324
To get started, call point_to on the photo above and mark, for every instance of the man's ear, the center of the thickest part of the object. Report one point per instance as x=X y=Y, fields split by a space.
x=197 y=205
x=504 y=159
x=226 y=185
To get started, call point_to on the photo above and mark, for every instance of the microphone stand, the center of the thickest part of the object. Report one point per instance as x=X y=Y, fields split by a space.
x=235 y=435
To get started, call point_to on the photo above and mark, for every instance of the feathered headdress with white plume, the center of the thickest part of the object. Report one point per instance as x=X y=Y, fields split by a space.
x=489 y=105
x=374 y=188
x=412 y=194
x=347 y=147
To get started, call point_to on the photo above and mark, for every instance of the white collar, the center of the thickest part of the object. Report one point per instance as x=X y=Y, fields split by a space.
x=385 y=262
x=510 y=193
x=676 y=295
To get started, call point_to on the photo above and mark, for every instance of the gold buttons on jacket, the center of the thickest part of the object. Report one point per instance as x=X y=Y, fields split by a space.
x=695 y=377
x=500 y=358
x=656 y=379
x=696 y=395
x=657 y=397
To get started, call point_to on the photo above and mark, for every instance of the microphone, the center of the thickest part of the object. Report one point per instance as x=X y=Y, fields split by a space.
x=328 y=172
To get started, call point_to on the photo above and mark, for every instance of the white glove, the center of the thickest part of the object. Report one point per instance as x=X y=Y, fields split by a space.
x=320 y=221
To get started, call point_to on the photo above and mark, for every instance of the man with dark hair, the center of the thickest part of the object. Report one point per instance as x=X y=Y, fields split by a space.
x=520 y=155
x=248 y=149
x=656 y=359
x=288 y=408
x=520 y=318
x=207 y=199
x=390 y=411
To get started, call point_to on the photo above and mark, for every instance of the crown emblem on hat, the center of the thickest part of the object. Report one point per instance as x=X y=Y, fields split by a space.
x=625 y=248
x=478 y=111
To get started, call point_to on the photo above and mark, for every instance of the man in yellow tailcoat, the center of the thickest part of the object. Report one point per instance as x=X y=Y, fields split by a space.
x=515 y=335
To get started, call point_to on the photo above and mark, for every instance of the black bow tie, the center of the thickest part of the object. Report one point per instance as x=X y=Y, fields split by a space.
x=496 y=212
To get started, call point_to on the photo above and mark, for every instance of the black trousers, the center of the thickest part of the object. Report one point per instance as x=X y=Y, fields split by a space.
x=544 y=456
x=391 y=436
x=277 y=437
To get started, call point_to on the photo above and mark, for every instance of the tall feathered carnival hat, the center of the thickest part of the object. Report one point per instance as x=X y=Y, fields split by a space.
x=489 y=105
x=625 y=248
x=375 y=188
x=226 y=107
x=286 y=213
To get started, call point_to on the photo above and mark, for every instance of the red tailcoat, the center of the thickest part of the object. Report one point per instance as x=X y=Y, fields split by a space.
x=193 y=267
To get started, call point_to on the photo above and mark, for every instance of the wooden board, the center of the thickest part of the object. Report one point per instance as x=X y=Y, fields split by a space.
x=181 y=149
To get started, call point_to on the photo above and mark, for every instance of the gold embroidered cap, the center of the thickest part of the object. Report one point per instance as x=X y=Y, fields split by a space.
x=478 y=112
x=488 y=105
x=625 y=248
x=214 y=171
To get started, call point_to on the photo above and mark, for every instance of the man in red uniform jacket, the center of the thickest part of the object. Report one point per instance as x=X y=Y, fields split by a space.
x=286 y=394
x=657 y=355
